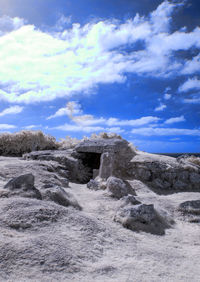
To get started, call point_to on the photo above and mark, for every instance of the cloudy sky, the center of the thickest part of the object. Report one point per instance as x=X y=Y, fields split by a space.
x=77 y=67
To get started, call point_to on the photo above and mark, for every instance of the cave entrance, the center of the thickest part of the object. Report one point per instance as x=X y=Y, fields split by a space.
x=91 y=162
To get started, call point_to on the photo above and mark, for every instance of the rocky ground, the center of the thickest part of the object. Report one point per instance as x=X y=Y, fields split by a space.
x=99 y=212
x=51 y=239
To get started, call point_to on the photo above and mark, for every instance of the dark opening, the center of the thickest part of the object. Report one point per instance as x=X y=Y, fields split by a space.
x=90 y=161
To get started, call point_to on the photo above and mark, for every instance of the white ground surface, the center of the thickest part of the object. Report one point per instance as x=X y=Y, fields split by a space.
x=117 y=254
x=128 y=256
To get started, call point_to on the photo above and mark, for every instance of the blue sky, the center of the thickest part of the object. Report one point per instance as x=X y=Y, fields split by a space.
x=79 y=67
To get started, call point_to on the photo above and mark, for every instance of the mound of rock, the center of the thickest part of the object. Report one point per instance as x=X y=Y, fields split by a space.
x=119 y=188
x=22 y=186
x=60 y=196
x=140 y=217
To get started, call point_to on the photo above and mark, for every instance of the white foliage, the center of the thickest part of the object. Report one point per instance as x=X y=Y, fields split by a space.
x=68 y=143
x=16 y=144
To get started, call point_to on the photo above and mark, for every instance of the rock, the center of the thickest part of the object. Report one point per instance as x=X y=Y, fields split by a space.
x=166 y=174
x=115 y=155
x=23 y=186
x=191 y=207
x=106 y=165
x=93 y=185
x=60 y=196
x=141 y=217
x=118 y=188
x=195 y=178
x=190 y=211
x=128 y=200
x=65 y=163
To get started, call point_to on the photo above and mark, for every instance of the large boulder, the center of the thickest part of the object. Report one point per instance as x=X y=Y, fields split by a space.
x=61 y=197
x=119 y=188
x=22 y=186
x=141 y=217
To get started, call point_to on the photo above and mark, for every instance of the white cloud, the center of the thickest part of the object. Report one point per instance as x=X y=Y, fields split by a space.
x=133 y=122
x=71 y=109
x=11 y=110
x=149 y=131
x=77 y=128
x=62 y=22
x=192 y=66
x=6 y=126
x=174 y=120
x=167 y=96
x=41 y=66
x=191 y=83
x=32 y=126
x=8 y=24
x=192 y=101
x=160 y=108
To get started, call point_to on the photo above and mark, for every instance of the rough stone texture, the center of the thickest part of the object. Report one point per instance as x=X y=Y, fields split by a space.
x=106 y=166
x=166 y=174
x=116 y=155
x=190 y=211
x=128 y=200
x=61 y=197
x=93 y=185
x=192 y=207
x=141 y=217
x=65 y=164
x=118 y=188
x=22 y=186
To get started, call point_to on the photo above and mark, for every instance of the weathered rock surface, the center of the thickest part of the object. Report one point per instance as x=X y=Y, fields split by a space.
x=93 y=185
x=119 y=188
x=190 y=210
x=65 y=163
x=22 y=186
x=115 y=155
x=141 y=217
x=60 y=196
x=128 y=200
x=166 y=174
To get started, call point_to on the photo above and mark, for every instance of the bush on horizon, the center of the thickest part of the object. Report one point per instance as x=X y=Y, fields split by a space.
x=25 y=141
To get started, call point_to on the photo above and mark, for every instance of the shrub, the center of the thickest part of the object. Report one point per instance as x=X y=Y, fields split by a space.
x=193 y=160
x=105 y=135
x=68 y=143
x=16 y=144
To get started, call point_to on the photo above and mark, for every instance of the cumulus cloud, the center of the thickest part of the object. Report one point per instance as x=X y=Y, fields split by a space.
x=8 y=24
x=175 y=120
x=192 y=66
x=11 y=110
x=148 y=131
x=191 y=83
x=6 y=126
x=42 y=66
x=160 y=108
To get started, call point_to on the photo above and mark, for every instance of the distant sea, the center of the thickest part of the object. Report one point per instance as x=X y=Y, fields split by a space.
x=176 y=155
